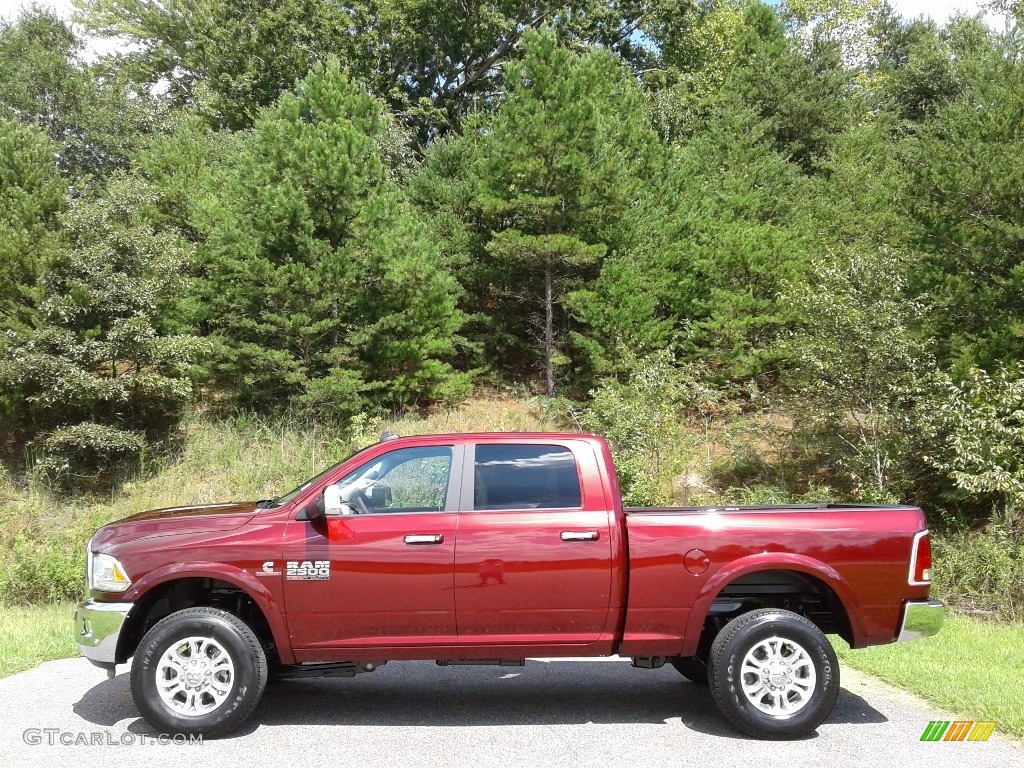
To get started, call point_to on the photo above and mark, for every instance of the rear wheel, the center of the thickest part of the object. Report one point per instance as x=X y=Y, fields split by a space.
x=201 y=671
x=773 y=674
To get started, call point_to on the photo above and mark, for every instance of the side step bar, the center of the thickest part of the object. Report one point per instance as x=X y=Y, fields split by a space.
x=481 y=662
x=329 y=669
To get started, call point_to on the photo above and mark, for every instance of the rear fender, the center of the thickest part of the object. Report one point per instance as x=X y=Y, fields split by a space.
x=768 y=561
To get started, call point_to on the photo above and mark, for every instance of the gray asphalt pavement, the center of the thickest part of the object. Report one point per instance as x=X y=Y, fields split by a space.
x=415 y=714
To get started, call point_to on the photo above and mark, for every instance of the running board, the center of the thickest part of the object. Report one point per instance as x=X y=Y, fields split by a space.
x=330 y=669
x=481 y=662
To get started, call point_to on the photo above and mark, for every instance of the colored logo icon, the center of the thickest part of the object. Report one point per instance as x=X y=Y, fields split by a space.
x=958 y=730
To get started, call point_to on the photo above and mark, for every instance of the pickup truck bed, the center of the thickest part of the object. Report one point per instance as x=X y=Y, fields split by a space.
x=835 y=563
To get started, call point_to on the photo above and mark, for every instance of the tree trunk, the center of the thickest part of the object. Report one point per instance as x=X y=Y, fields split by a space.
x=334 y=317
x=549 y=327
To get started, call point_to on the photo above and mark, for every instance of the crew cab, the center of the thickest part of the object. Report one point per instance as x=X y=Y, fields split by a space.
x=496 y=548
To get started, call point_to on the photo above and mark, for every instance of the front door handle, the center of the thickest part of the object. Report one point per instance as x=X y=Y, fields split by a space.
x=580 y=535
x=425 y=538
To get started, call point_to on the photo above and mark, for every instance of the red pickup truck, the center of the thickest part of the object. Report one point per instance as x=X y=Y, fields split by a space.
x=490 y=549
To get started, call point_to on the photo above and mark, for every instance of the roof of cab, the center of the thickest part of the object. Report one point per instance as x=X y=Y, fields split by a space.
x=496 y=436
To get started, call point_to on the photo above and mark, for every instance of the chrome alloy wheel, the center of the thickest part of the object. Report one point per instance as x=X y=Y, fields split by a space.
x=778 y=676
x=194 y=676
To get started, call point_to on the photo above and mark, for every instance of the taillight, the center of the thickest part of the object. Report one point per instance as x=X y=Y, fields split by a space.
x=921 y=560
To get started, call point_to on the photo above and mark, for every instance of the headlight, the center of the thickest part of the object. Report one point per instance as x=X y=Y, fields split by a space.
x=106 y=574
x=88 y=565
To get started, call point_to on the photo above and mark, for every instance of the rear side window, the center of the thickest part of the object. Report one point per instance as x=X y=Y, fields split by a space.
x=525 y=477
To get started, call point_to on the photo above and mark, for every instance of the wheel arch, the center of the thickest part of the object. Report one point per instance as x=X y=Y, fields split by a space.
x=796 y=570
x=180 y=586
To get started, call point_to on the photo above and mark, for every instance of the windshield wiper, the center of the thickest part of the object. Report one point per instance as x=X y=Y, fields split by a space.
x=266 y=503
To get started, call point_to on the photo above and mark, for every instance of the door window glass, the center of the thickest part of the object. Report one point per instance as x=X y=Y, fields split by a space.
x=406 y=480
x=525 y=477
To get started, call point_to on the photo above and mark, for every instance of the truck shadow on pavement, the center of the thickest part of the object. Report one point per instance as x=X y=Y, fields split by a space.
x=422 y=694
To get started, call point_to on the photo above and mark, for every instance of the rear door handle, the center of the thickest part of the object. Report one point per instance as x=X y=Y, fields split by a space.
x=580 y=535
x=425 y=538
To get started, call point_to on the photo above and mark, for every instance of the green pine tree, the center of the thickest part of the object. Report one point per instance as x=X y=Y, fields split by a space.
x=714 y=237
x=805 y=96
x=320 y=286
x=543 y=183
x=964 y=177
x=32 y=194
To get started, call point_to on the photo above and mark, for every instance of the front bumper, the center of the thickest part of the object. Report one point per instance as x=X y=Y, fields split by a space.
x=97 y=630
x=921 y=618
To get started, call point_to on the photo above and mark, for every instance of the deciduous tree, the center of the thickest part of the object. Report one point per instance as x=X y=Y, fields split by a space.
x=97 y=382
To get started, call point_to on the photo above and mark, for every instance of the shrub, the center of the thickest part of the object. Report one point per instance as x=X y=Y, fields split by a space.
x=98 y=378
x=644 y=419
x=73 y=456
x=981 y=570
x=976 y=427
x=42 y=571
x=859 y=367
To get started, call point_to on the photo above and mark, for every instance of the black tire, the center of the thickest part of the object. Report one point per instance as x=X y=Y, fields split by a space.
x=692 y=668
x=228 y=636
x=741 y=637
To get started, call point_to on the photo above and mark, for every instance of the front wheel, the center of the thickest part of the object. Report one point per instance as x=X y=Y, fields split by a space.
x=773 y=674
x=198 y=671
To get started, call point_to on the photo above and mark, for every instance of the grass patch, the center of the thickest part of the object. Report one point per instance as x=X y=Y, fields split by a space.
x=973 y=668
x=30 y=635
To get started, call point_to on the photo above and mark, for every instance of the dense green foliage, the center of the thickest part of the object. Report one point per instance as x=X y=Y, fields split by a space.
x=858 y=367
x=802 y=223
x=318 y=282
x=95 y=380
x=31 y=196
x=96 y=114
x=547 y=180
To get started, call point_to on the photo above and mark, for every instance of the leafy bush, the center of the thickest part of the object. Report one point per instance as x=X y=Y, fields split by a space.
x=769 y=495
x=97 y=378
x=981 y=570
x=859 y=367
x=70 y=456
x=976 y=427
x=42 y=571
x=644 y=419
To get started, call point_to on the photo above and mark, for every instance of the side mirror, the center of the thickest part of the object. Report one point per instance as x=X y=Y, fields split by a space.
x=334 y=505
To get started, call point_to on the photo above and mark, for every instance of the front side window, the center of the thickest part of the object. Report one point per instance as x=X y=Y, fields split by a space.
x=405 y=480
x=525 y=477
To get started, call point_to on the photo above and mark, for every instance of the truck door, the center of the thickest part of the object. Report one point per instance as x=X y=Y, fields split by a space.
x=533 y=562
x=380 y=574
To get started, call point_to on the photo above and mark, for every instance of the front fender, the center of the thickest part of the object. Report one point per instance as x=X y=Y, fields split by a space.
x=768 y=561
x=237 y=577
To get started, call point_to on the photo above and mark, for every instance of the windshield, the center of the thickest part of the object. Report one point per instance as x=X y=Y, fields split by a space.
x=280 y=501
